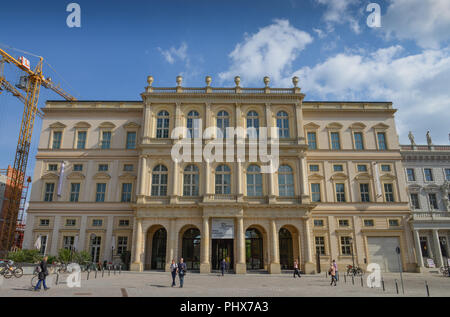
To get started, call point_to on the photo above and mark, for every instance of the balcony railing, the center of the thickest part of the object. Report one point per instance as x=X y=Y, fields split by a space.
x=424 y=215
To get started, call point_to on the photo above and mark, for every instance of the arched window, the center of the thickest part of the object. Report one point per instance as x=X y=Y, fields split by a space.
x=223 y=179
x=190 y=181
x=285 y=181
x=162 y=125
x=253 y=124
x=223 y=122
x=254 y=249
x=283 y=124
x=159 y=181
x=193 y=124
x=254 y=181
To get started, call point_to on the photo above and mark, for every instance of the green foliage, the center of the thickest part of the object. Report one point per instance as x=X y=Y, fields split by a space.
x=81 y=257
x=64 y=255
x=25 y=256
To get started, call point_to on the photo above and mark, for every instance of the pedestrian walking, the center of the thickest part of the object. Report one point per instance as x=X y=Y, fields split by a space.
x=296 y=270
x=336 y=268
x=181 y=271
x=332 y=272
x=42 y=274
x=223 y=266
x=173 y=271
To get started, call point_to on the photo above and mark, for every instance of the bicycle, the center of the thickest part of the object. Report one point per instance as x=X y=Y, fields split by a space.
x=355 y=271
x=8 y=270
x=444 y=270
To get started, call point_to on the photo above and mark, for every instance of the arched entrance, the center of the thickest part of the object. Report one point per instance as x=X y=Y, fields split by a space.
x=159 y=242
x=286 y=249
x=254 y=249
x=191 y=248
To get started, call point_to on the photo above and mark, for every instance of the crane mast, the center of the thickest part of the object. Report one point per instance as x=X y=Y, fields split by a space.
x=33 y=84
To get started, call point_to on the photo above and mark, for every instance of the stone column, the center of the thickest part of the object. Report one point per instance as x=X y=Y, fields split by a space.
x=268 y=119
x=274 y=267
x=55 y=236
x=437 y=248
x=137 y=263
x=143 y=174
x=205 y=266
x=171 y=237
x=175 y=172
x=208 y=179
x=309 y=265
x=239 y=184
x=304 y=180
x=419 y=256
x=240 y=264
x=82 y=236
x=146 y=132
x=109 y=234
x=299 y=121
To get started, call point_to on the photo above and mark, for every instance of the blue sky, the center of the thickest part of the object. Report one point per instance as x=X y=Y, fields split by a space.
x=327 y=43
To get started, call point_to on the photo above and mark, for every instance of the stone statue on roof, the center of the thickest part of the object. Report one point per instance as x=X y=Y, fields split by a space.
x=411 y=138
x=429 y=141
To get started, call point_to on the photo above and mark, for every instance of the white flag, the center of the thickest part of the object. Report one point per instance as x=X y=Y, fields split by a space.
x=377 y=180
x=75 y=243
x=38 y=243
x=113 y=242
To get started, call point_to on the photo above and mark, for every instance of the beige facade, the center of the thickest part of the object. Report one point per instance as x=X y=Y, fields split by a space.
x=342 y=196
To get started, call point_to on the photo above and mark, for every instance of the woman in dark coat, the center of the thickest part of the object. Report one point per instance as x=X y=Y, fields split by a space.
x=43 y=272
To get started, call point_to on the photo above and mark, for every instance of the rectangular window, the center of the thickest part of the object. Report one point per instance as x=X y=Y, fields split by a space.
x=335 y=142
x=56 y=140
x=428 y=174
x=71 y=222
x=415 y=201
x=312 y=141
x=411 y=175
x=385 y=168
x=103 y=167
x=424 y=246
x=313 y=168
x=97 y=222
x=447 y=174
x=131 y=140
x=122 y=243
x=368 y=223
x=106 y=140
x=381 y=136
x=346 y=247
x=343 y=223
x=126 y=192
x=128 y=167
x=433 y=201
x=68 y=242
x=78 y=167
x=318 y=223
x=320 y=245
x=74 y=192
x=44 y=222
x=389 y=192
x=81 y=140
x=362 y=168
x=393 y=223
x=101 y=191
x=49 y=189
x=340 y=193
x=315 y=192
x=364 y=190
x=124 y=223
x=358 y=141
x=53 y=167
x=338 y=168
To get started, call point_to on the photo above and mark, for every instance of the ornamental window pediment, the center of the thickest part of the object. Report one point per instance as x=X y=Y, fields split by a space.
x=414 y=188
x=50 y=176
x=82 y=125
x=339 y=176
x=312 y=126
x=57 y=125
x=388 y=177
x=102 y=175
x=380 y=126
x=315 y=177
x=432 y=188
x=358 y=126
x=128 y=176
x=107 y=125
x=131 y=125
x=334 y=126
x=75 y=175
x=363 y=176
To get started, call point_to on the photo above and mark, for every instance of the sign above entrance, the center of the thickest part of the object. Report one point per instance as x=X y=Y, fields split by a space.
x=222 y=229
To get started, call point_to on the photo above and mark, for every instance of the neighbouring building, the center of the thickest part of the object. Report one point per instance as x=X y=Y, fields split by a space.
x=339 y=191
x=427 y=170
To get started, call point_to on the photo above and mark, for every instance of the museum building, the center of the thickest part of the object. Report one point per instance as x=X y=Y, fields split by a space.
x=105 y=182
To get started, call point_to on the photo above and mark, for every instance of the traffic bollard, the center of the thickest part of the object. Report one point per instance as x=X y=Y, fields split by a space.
x=89 y=271
x=57 y=278
x=353 y=280
x=114 y=268
x=362 y=283
x=382 y=283
x=120 y=269
x=428 y=289
x=109 y=270
x=103 y=271
x=96 y=273
x=396 y=286
x=345 y=279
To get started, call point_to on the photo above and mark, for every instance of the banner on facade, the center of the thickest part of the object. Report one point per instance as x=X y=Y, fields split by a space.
x=222 y=229
x=377 y=181
x=61 y=178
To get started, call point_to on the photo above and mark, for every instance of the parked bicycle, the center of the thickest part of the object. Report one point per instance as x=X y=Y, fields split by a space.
x=8 y=269
x=354 y=270
x=445 y=271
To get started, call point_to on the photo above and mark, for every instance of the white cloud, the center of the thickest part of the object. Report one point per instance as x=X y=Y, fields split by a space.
x=339 y=12
x=270 y=51
x=416 y=84
x=427 y=22
x=172 y=54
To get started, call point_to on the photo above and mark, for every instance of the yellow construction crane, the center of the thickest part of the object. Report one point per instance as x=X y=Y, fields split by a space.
x=31 y=83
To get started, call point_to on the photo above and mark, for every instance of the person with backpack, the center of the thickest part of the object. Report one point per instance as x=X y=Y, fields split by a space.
x=336 y=268
x=296 y=270
x=332 y=272
x=173 y=271
x=181 y=271
x=42 y=274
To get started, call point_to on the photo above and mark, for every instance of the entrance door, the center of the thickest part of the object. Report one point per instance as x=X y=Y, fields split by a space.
x=286 y=250
x=222 y=249
x=254 y=249
x=159 y=249
x=191 y=249
x=95 y=249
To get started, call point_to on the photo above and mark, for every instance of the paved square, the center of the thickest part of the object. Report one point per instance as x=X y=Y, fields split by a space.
x=250 y=285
